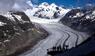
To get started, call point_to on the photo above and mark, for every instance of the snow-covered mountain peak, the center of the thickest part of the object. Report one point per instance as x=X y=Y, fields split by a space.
x=48 y=11
x=44 y=4
x=47 y=6
x=53 y=5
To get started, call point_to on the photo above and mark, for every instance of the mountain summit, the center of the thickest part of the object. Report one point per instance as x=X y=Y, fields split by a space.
x=47 y=11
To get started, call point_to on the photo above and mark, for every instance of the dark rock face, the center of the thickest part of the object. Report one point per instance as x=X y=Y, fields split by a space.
x=18 y=33
x=80 y=19
x=25 y=24
x=23 y=15
x=9 y=28
x=56 y=15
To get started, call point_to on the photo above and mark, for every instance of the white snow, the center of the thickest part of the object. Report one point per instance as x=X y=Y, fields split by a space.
x=7 y=41
x=91 y=16
x=43 y=5
x=79 y=14
x=87 y=17
x=93 y=13
x=2 y=24
x=47 y=11
x=40 y=20
x=31 y=12
x=18 y=17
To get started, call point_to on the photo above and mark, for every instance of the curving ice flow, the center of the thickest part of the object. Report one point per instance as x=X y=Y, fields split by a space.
x=58 y=34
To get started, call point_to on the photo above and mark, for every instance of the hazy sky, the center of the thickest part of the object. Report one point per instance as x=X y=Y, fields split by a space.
x=6 y=5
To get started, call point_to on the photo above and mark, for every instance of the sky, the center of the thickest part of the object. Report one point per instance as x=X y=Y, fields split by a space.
x=66 y=3
x=19 y=5
x=6 y=5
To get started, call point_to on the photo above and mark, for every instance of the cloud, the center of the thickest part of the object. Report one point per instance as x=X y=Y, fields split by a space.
x=6 y=5
x=29 y=2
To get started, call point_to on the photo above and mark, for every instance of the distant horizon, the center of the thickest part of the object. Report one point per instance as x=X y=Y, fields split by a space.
x=66 y=3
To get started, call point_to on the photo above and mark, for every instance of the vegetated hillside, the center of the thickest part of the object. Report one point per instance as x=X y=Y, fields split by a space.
x=18 y=33
x=81 y=19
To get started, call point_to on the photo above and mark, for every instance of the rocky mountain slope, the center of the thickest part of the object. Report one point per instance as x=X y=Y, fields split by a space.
x=17 y=32
x=81 y=19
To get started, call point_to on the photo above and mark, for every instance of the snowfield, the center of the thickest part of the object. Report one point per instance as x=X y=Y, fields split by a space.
x=31 y=12
x=39 y=20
